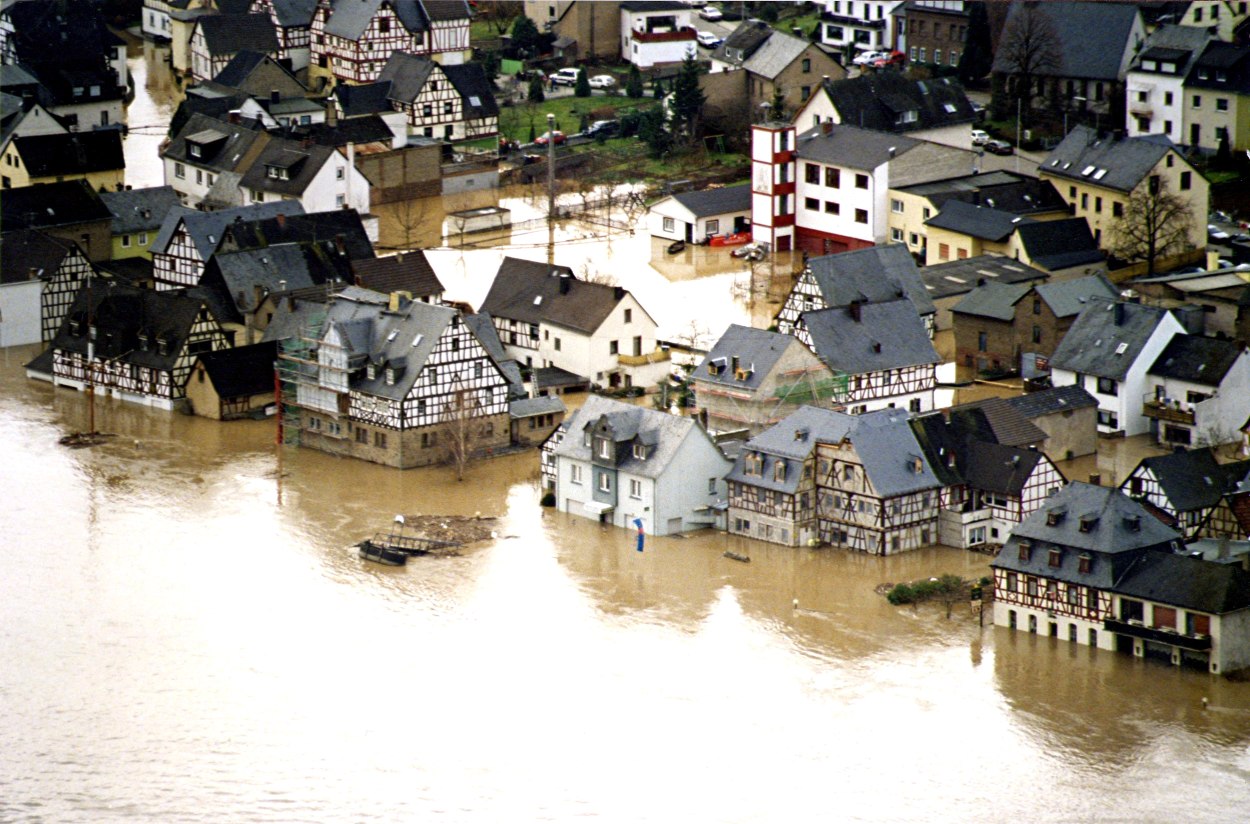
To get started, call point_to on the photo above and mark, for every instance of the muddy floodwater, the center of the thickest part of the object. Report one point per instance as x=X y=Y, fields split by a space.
x=186 y=637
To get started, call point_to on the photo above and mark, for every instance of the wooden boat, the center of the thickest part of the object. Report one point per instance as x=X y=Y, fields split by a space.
x=736 y=239
x=676 y=246
x=396 y=546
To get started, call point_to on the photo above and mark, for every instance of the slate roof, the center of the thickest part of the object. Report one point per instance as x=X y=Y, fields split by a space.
x=363 y=99
x=1056 y=399
x=977 y=221
x=216 y=108
x=274 y=268
x=237 y=144
x=877 y=100
x=358 y=130
x=339 y=231
x=993 y=300
x=120 y=313
x=472 y=84
x=1070 y=297
x=51 y=204
x=888 y=448
x=756 y=349
x=1174 y=43
x=1197 y=359
x=1092 y=38
x=661 y=432
x=1059 y=244
x=1218 y=60
x=1119 y=163
x=996 y=189
x=139 y=210
x=957 y=277
x=407 y=271
x=1189 y=583
x=997 y=468
x=235 y=73
x=876 y=274
x=792 y=439
x=23 y=250
x=720 y=201
x=301 y=162
x=349 y=18
x=851 y=147
x=47 y=31
x=205 y=228
x=994 y=421
x=887 y=336
x=75 y=153
x=520 y=283
x=531 y=407
x=242 y=370
x=1192 y=479
x=294 y=12
x=407 y=74
x=742 y=42
x=1121 y=530
x=1097 y=345
x=230 y=33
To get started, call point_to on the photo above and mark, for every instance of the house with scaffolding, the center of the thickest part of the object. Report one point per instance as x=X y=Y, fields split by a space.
x=391 y=380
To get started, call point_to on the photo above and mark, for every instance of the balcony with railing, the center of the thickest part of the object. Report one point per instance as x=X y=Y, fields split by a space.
x=1167 y=409
x=669 y=36
x=1171 y=637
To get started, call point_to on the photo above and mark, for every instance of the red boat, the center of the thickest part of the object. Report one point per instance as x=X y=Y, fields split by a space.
x=736 y=239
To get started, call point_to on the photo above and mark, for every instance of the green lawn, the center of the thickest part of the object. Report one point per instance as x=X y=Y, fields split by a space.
x=515 y=121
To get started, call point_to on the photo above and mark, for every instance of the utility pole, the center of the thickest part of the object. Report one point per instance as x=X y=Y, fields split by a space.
x=551 y=189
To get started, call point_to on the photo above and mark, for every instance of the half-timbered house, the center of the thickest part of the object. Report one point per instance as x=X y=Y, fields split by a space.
x=402 y=383
x=753 y=378
x=135 y=344
x=1004 y=485
x=1092 y=566
x=547 y=317
x=772 y=486
x=879 y=354
x=188 y=238
x=620 y=464
x=875 y=275
x=58 y=266
x=292 y=22
x=352 y=39
x=217 y=38
x=451 y=102
x=1184 y=490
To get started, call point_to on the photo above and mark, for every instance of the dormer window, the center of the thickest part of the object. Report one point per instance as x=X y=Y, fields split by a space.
x=371 y=371
x=390 y=376
x=194 y=149
x=640 y=451
x=1088 y=523
x=163 y=345
x=1054 y=517
x=144 y=342
x=1055 y=557
x=75 y=327
x=603 y=448
x=1084 y=562
x=1026 y=550
x=277 y=173
x=754 y=464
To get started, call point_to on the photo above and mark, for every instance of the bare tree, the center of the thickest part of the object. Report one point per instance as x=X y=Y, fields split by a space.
x=591 y=274
x=499 y=14
x=1155 y=223
x=408 y=218
x=1030 y=48
x=458 y=427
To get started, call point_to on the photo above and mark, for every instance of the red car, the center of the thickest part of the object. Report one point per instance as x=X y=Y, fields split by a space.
x=896 y=58
x=557 y=137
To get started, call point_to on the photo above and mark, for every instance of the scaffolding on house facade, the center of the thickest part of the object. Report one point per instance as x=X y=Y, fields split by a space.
x=297 y=367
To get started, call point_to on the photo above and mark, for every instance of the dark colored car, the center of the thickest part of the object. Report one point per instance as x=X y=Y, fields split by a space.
x=603 y=128
x=999 y=147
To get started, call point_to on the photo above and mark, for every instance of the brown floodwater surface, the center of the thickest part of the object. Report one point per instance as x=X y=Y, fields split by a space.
x=185 y=636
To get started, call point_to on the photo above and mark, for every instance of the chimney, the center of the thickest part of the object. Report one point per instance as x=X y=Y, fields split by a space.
x=826 y=126
x=855 y=310
x=332 y=113
x=33 y=273
x=564 y=284
x=1119 y=314
x=618 y=292
x=235 y=116
x=876 y=347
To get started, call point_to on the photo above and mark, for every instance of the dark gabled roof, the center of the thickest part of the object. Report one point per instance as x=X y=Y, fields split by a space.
x=301 y=162
x=367 y=98
x=992 y=300
x=1189 y=583
x=471 y=83
x=529 y=292
x=719 y=201
x=941 y=446
x=296 y=13
x=224 y=144
x=997 y=189
x=1070 y=297
x=1098 y=345
x=120 y=313
x=407 y=272
x=851 y=147
x=350 y=18
x=76 y=153
x=1092 y=37
x=1173 y=44
x=51 y=204
x=1197 y=359
x=793 y=439
x=205 y=229
x=27 y=253
x=276 y=268
x=357 y=130
x=1221 y=67
x=877 y=274
x=977 y=221
x=139 y=210
x=338 y=232
x=407 y=74
x=957 y=277
x=1192 y=479
x=878 y=100
x=216 y=108
x=134 y=271
x=1049 y=401
x=242 y=370
x=48 y=32
x=243 y=64
x=996 y=468
x=1059 y=244
x=755 y=350
x=1102 y=159
x=230 y=33
x=993 y=420
x=444 y=10
x=886 y=336
x=742 y=42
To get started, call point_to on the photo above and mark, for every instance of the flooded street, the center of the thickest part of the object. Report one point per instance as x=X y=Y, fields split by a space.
x=186 y=636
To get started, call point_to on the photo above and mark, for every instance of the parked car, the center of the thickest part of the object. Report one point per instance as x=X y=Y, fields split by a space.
x=557 y=137
x=565 y=77
x=896 y=58
x=980 y=138
x=1240 y=237
x=708 y=40
x=602 y=81
x=710 y=13
x=1215 y=233
x=869 y=57
x=603 y=128
x=999 y=147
